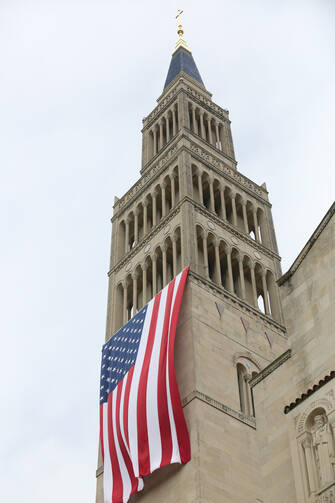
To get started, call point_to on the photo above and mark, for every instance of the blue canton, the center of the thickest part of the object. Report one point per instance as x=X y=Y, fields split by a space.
x=119 y=354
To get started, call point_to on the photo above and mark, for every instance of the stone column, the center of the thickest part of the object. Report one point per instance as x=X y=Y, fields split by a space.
x=145 y=216
x=210 y=139
x=164 y=264
x=174 y=123
x=174 y=254
x=230 y=272
x=134 y=277
x=136 y=212
x=161 y=134
x=125 y=301
x=167 y=128
x=233 y=203
x=126 y=241
x=204 y=247
x=265 y=292
x=253 y=282
x=217 y=135
x=222 y=136
x=217 y=262
x=245 y=217
x=306 y=445
x=201 y=197
x=211 y=195
x=154 y=274
x=144 y=282
x=202 y=127
x=254 y=213
x=154 y=208
x=223 y=203
x=163 y=187
x=241 y=271
x=195 y=128
x=173 y=190
x=155 y=139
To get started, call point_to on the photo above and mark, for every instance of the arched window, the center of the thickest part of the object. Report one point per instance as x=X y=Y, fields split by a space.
x=246 y=370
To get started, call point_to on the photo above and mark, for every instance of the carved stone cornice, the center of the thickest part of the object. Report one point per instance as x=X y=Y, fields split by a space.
x=270 y=368
x=204 y=102
x=138 y=247
x=164 y=104
x=233 y=299
x=224 y=224
x=234 y=175
x=151 y=174
x=248 y=420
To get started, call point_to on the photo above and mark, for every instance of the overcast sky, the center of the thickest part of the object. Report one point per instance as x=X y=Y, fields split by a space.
x=76 y=79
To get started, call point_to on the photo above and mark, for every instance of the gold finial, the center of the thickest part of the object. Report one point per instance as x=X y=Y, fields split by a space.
x=180 y=42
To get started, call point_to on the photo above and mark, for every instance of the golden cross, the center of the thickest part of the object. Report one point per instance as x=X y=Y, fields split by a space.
x=179 y=13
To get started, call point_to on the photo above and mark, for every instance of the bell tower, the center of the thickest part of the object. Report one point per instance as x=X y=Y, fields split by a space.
x=192 y=207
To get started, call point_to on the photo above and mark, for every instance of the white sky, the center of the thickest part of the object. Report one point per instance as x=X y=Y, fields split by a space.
x=76 y=78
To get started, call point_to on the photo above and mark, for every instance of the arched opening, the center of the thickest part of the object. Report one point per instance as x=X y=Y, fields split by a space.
x=211 y=256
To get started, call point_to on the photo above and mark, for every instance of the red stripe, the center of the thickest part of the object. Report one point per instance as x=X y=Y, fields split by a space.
x=126 y=404
x=124 y=452
x=142 y=428
x=102 y=432
x=163 y=410
x=117 y=496
x=181 y=428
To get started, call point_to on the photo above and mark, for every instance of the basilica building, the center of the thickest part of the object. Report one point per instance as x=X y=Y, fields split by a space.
x=255 y=348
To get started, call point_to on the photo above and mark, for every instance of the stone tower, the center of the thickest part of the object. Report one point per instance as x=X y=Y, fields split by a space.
x=192 y=207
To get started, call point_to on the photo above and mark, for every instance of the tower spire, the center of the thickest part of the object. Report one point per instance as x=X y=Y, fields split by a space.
x=181 y=42
x=182 y=59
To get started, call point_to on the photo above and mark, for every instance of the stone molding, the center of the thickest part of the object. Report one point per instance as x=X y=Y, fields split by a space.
x=248 y=420
x=142 y=183
x=159 y=163
x=208 y=214
x=139 y=246
x=224 y=224
x=236 y=177
x=233 y=299
x=204 y=102
x=270 y=368
x=308 y=246
x=165 y=103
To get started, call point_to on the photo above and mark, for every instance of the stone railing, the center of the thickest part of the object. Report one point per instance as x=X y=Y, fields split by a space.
x=326 y=495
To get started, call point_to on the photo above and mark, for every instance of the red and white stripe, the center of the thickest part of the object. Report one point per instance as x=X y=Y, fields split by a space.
x=142 y=426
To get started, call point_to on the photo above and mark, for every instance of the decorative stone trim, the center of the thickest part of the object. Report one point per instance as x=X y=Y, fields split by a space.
x=209 y=104
x=248 y=420
x=232 y=299
x=163 y=104
x=224 y=224
x=142 y=183
x=142 y=244
x=232 y=173
x=309 y=392
x=308 y=246
x=270 y=368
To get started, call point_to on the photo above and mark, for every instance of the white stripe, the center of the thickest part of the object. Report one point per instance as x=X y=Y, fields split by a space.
x=132 y=414
x=108 y=474
x=175 y=458
x=154 y=435
x=125 y=379
x=123 y=469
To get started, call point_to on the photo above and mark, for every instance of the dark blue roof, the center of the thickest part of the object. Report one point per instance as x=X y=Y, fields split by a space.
x=182 y=61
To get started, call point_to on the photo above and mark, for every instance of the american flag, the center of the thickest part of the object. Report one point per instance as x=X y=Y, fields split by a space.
x=142 y=425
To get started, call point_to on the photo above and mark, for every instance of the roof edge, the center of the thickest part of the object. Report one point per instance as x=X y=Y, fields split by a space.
x=304 y=252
